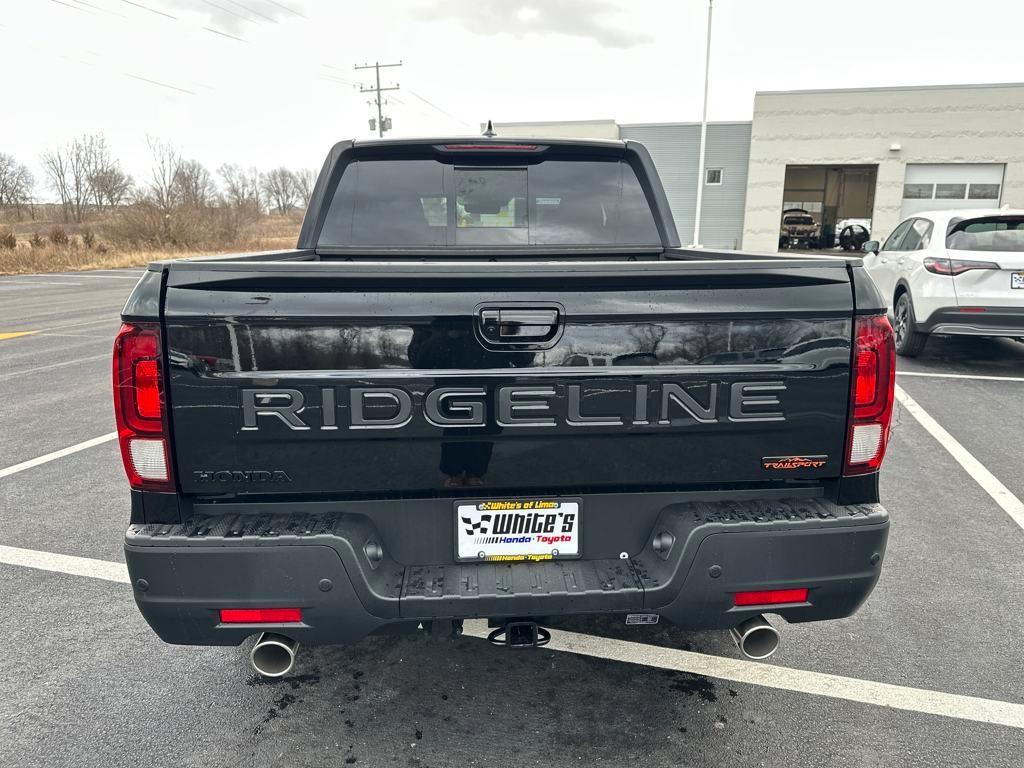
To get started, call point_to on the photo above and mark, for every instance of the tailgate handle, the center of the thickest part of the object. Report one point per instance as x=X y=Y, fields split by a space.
x=515 y=325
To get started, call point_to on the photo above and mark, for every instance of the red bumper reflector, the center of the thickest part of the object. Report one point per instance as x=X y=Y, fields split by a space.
x=771 y=597
x=972 y=309
x=260 y=615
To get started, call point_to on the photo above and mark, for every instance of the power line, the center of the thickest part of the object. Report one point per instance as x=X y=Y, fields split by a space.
x=336 y=78
x=97 y=8
x=253 y=11
x=69 y=5
x=162 y=85
x=151 y=10
x=286 y=8
x=376 y=67
x=225 y=34
x=228 y=11
x=443 y=112
x=414 y=109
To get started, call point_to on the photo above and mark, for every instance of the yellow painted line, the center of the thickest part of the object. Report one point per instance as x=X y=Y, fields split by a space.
x=5 y=336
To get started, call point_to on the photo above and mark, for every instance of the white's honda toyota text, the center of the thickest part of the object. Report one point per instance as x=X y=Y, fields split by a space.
x=952 y=272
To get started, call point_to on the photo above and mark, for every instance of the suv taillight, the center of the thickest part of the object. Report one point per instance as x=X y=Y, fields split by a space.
x=139 y=407
x=955 y=267
x=873 y=380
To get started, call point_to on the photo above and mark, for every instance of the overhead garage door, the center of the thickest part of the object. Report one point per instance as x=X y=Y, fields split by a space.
x=942 y=186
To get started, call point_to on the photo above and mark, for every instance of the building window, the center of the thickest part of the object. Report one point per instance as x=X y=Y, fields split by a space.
x=950 y=191
x=917 y=191
x=713 y=176
x=983 y=192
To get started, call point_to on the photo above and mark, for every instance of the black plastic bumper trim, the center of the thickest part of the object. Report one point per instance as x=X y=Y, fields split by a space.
x=994 y=321
x=319 y=562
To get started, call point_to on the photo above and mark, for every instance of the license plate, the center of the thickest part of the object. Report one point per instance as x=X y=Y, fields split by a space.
x=507 y=530
x=1017 y=279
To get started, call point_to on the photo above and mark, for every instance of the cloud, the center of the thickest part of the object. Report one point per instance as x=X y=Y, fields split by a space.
x=598 y=20
x=236 y=16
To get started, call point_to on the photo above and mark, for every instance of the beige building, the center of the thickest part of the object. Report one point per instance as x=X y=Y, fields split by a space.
x=882 y=153
x=866 y=157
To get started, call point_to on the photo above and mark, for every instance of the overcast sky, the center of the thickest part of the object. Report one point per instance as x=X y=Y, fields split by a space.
x=270 y=82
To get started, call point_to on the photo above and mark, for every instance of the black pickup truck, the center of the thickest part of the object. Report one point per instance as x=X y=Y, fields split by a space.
x=489 y=383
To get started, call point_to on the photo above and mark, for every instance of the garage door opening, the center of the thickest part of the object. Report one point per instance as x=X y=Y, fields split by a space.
x=827 y=206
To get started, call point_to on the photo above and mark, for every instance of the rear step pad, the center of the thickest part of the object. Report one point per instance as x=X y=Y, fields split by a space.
x=473 y=589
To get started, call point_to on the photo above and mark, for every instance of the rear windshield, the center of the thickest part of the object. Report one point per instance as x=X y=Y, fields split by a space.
x=799 y=220
x=992 y=233
x=425 y=202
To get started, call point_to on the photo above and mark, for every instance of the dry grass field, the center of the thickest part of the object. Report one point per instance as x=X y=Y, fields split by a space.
x=46 y=244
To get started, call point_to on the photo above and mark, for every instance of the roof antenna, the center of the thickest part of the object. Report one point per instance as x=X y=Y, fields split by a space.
x=489 y=133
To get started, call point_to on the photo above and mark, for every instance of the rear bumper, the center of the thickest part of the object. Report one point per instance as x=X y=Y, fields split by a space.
x=327 y=565
x=994 y=321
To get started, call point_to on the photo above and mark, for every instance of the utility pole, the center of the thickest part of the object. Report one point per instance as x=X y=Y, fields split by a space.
x=703 y=134
x=376 y=66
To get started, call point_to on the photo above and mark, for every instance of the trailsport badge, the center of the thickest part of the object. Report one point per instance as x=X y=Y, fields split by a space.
x=517 y=529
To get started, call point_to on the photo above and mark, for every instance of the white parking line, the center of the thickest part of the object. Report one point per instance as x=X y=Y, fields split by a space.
x=14 y=374
x=75 y=566
x=989 y=482
x=75 y=275
x=122 y=276
x=13 y=470
x=19 y=283
x=922 y=700
x=112 y=320
x=979 y=377
x=783 y=678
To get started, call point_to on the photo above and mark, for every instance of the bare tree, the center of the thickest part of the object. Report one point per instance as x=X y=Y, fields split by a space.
x=305 y=180
x=111 y=186
x=241 y=188
x=280 y=188
x=107 y=183
x=55 y=166
x=193 y=185
x=95 y=160
x=16 y=184
x=67 y=171
x=162 y=190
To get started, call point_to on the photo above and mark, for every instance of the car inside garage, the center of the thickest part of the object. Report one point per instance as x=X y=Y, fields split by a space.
x=827 y=206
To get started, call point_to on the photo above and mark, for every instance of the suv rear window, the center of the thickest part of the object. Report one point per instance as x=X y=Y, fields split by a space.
x=991 y=233
x=429 y=203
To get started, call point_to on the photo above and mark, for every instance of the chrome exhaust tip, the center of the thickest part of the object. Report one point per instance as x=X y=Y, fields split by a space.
x=756 y=638
x=273 y=655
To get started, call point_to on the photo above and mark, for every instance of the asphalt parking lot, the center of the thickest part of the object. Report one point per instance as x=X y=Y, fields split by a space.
x=89 y=684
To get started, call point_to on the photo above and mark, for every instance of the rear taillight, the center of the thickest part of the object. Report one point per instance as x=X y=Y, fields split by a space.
x=955 y=266
x=139 y=407
x=873 y=380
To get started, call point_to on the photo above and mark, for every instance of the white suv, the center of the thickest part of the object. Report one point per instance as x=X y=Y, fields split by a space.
x=952 y=272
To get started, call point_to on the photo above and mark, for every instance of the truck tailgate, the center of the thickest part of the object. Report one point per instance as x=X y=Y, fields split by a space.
x=373 y=378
